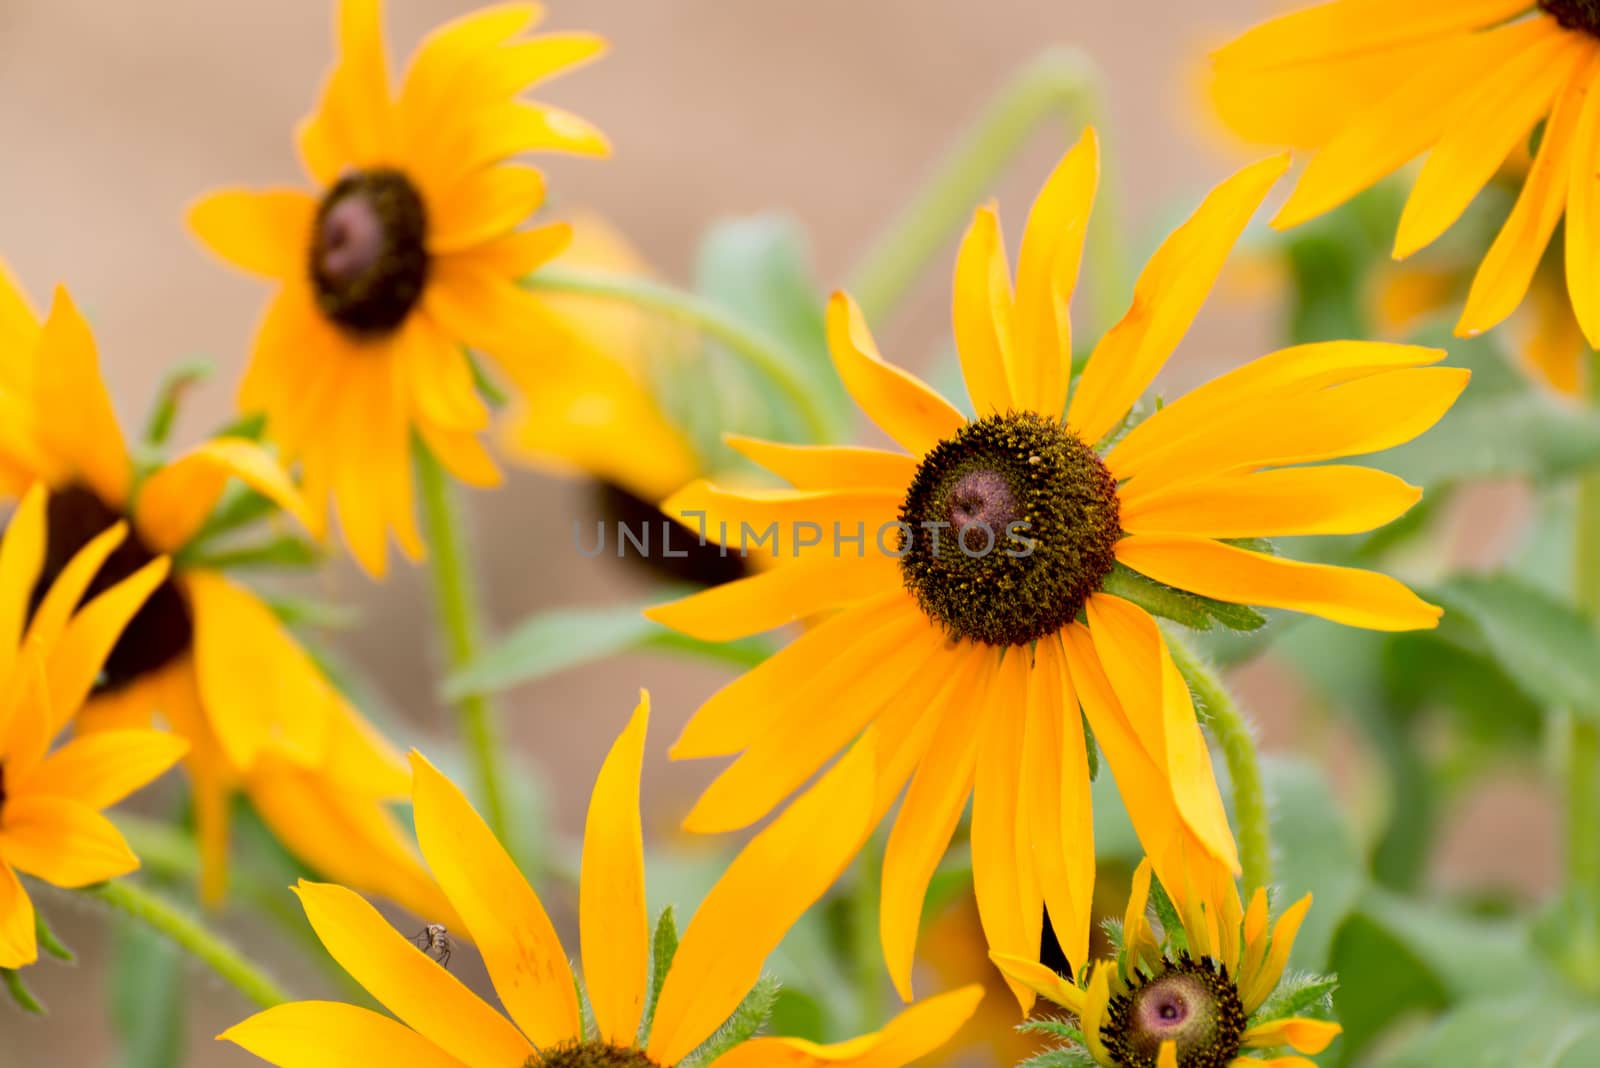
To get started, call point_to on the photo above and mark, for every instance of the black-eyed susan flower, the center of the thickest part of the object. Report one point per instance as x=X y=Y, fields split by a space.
x=1201 y=993
x=408 y=253
x=968 y=616
x=51 y=826
x=439 y=1023
x=1369 y=87
x=205 y=654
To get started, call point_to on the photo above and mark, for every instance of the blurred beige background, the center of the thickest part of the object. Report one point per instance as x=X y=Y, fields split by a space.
x=112 y=116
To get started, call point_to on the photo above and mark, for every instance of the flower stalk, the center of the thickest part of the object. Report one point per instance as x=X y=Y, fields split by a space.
x=1582 y=750
x=192 y=936
x=1235 y=735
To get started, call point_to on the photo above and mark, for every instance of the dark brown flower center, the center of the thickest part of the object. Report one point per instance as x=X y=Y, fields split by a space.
x=1007 y=528
x=369 y=255
x=159 y=632
x=668 y=550
x=1575 y=14
x=590 y=1055
x=1193 y=1004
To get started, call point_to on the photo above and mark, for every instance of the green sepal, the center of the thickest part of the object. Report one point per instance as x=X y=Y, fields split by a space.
x=750 y=1017
x=663 y=947
x=1188 y=609
x=20 y=993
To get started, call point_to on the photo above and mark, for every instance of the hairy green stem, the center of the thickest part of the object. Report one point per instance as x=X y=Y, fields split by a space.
x=1237 y=739
x=762 y=353
x=456 y=598
x=1062 y=82
x=193 y=937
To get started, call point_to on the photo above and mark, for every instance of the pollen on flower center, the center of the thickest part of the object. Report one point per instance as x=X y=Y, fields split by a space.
x=589 y=1055
x=161 y=631
x=1193 y=1004
x=1007 y=529
x=1575 y=14
x=369 y=256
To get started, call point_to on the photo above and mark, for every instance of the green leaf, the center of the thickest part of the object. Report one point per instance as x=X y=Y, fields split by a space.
x=663 y=947
x=1546 y=645
x=566 y=638
x=1180 y=606
x=1501 y=1032
x=286 y=551
x=48 y=941
x=1472 y=955
x=1316 y=852
x=178 y=381
x=1298 y=994
x=20 y=993
x=146 y=991
x=1520 y=435
x=1382 y=982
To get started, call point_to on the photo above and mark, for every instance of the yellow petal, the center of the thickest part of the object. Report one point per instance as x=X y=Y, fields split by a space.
x=1047 y=275
x=913 y=1034
x=407 y=981
x=22 y=551
x=1487 y=125
x=175 y=500
x=1166 y=299
x=326 y=1034
x=18 y=933
x=1556 y=351
x=782 y=872
x=1404 y=123
x=1138 y=940
x=929 y=814
x=1283 y=934
x=1272 y=1062
x=613 y=923
x=1095 y=1002
x=266 y=233
x=101 y=769
x=442 y=63
x=91 y=635
x=81 y=430
x=1583 y=219
x=790 y=523
x=1343 y=594
x=752 y=704
x=260 y=689
x=485 y=205
x=1307 y=1036
x=523 y=252
x=1288 y=373
x=463 y=455
x=1040 y=980
x=906 y=409
x=774 y=598
x=496 y=132
x=1010 y=903
x=1268 y=504
x=825 y=467
x=982 y=312
x=1168 y=1057
x=821 y=716
x=65 y=843
x=352 y=124
x=519 y=945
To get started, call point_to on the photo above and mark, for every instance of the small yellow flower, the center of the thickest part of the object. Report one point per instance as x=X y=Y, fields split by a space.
x=442 y=1024
x=1369 y=86
x=51 y=825
x=1198 y=1006
x=966 y=666
x=410 y=252
x=205 y=653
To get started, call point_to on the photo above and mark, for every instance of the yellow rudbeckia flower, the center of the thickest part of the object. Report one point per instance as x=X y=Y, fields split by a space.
x=51 y=825
x=409 y=252
x=439 y=1023
x=1370 y=85
x=966 y=669
x=1194 y=1004
x=204 y=652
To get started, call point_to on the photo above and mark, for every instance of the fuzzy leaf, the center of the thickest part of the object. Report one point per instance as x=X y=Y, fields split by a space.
x=663 y=947
x=750 y=1017
x=1189 y=609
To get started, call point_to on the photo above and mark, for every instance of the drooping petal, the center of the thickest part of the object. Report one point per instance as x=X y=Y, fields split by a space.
x=81 y=432
x=102 y=768
x=1268 y=504
x=906 y=408
x=613 y=922
x=519 y=944
x=1307 y=1036
x=175 y=500
x=327 y=1034
x=1047 y=276
x=1343 y=594
x=1041 y=980
x=778 y=597
x=911 y=1035
x=776 y=878
x=982 y=309
x=1485 y=128
x=18 y=933
x=64 y=842
x=829 y=467
x=265 y=233
x=1166 y=299
x=407 y=981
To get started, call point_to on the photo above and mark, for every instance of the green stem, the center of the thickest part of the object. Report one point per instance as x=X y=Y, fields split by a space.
x=1237 y=739
x=192 y=936
x=1582 y=756
x=1062 y=82
x=706 y=318
x=456 y=597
